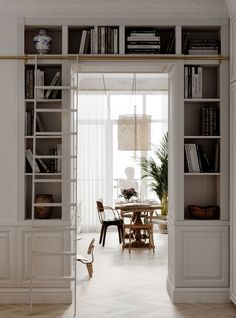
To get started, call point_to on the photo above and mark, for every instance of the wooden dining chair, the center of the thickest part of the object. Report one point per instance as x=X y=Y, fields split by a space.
x=108 y=217
x=138 y=231
x=88 y=259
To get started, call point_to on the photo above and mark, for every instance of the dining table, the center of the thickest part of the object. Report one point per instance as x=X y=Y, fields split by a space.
x=138 y=210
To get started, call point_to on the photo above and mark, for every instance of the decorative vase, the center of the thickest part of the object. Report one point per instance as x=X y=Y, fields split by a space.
x=43 y=212
x=42 y=42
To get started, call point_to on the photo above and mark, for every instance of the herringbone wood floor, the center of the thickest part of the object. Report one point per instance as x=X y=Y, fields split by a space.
x=123 y=286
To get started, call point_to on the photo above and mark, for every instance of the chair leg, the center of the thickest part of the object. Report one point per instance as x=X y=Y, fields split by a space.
x=104 y=235
x=123 y=238
x=129 y=241
x=119 y=232
x=101 y=234
x=90 y=269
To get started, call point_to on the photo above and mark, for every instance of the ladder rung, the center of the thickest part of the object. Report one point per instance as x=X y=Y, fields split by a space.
x=56 y=110
x=44 y=134
x=50 y=100
x=48 y=133
x=52 y=229
x=54 y=204
x=53 y=278
x=53 y=253
x=57 y=87
x=54 y=180
x=53 y=156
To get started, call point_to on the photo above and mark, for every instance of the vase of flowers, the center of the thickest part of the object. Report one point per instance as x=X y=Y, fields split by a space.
x=127 y=194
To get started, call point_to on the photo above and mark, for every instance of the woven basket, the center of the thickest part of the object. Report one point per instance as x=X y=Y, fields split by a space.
x=204 y=212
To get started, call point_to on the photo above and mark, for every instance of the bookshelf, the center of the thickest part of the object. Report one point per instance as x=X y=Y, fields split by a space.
x=203 y=139
x=197 y=117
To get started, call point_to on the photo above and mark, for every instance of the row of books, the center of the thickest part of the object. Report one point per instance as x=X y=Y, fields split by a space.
x=30 y=81
x=143 y=41
x=29 y=123
x=209 y=121
x=52 y=165
x=100 y=40
x=195 y=46
x=197 y=160
x=193 y=81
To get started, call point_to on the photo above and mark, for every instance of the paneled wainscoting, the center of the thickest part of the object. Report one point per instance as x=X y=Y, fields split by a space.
x=123 y=286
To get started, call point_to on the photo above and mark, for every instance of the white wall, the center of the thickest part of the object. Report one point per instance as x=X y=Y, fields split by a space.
x=8 y=120
x=116 y=9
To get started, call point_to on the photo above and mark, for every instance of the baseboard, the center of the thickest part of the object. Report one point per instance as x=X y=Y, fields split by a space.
x=197 y=295
x=40 y=296
x=233 y=298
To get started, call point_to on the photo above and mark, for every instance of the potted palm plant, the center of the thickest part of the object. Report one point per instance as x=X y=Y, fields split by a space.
x=157 y=169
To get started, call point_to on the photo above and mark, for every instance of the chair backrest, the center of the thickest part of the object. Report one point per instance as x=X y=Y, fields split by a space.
x=100 y=209
x=90 y=249
x=100 y=206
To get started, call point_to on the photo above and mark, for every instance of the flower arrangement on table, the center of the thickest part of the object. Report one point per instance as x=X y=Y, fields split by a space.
x=128 y=193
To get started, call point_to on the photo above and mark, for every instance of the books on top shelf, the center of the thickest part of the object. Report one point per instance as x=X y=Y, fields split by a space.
x=192 y=81
x=197 y=159
x=194 y=46
x=203 y=47
x=143 y=41
x=209 y=118
x=99 y=40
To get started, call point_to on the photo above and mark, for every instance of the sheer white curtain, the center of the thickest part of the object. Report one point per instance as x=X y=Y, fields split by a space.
x=94 y=157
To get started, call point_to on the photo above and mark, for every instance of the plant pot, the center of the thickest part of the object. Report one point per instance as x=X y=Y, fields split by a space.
x=43 y=212
x=164 y=204
x=163 y=228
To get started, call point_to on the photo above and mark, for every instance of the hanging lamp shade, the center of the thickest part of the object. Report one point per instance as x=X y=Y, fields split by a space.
x=134 y=132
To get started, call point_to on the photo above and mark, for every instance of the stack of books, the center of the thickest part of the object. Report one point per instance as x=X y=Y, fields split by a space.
x=192 y=82
x=203 y=47
x=143 y=42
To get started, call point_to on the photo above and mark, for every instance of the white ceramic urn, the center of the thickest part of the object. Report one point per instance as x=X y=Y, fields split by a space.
x=42 y=42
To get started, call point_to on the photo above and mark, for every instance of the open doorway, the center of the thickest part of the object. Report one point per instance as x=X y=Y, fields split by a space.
x=104 y=162
x=103 y=99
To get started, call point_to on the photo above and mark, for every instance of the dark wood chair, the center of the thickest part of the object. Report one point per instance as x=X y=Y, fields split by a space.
x=109 y=217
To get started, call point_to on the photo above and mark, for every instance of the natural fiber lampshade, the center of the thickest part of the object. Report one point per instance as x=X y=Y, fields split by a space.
x=134 y=132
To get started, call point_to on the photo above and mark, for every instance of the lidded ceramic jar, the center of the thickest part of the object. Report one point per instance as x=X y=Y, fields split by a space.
x=42 y=42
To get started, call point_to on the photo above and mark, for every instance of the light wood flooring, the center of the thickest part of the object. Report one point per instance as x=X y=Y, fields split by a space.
x=123 y=286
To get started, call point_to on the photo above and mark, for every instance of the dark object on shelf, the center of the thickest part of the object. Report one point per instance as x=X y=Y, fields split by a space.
x=43 y=212
x=204 y=212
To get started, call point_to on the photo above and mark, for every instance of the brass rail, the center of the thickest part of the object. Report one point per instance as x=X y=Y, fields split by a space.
x=87 y=57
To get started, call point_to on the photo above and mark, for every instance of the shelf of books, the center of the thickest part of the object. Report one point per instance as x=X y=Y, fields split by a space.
x=41 y=118
x=46 y=117
x=199 y=40
x=202 y=140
